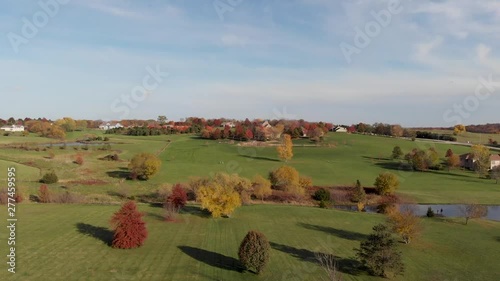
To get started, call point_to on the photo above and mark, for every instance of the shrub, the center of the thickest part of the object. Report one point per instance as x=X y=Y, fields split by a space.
x=305 y=182
x=261 y=187
x=171 y=211
x=79 y=160
x=49 y=178
x=4 y=197
x=51 y=155
x=386 y=183
x=19 y=198
x=129 y=228
x=144 y=165
x=254 y=251
x=44 y=194
x=178 y=197
x=322 y=195
x=287 y=179
x=358 y=194
x=98 y=199
x=68 y=198
x=430 y=213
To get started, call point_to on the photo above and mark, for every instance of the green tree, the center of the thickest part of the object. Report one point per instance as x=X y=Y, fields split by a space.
x=162 y=119
x=49 y=178
x=144 y=165
x=397 y=153
x=67 y=124
x=254 y=251
x=386 y=183
x=379 y=254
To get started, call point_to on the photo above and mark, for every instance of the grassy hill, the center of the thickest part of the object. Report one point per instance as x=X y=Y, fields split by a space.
x=70 y=242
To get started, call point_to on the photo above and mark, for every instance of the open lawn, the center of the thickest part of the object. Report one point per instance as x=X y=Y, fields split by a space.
x=71 y=242
x=340 y=160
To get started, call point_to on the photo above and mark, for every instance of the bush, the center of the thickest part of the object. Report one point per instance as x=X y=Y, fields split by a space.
x=261 y=187
x=287 y=179
x=4 y=197
x=44 y=194
x=430 y=213
x=358 y=194
x=254 y=251
x=305 y=182
x=98 y=199
x=129 y=228
x=49 y=178
x=68 y=198
x=144 y=165
x=19 y=198
x=79 y=160
x=386 y=183
x=322 y=195
x=178 y=197
x=219 y=200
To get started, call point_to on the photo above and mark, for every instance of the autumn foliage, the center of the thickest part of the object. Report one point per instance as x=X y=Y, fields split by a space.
x=285 y=149
x=44 y=195
x=254 y=251
x=178 y=197
x=129 y=228
x=144 y=165
x=218 y=199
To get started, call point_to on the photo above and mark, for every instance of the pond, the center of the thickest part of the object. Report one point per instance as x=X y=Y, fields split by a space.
x=449 y=210
x=74 y=144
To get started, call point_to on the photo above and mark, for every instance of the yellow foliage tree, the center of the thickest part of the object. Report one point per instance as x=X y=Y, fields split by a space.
x=481 y=155
x=286 y=178
x=405 y=223
x=459 y=129
x=386 y=183
x=219 y=200
x=144 y=165
x=261 y=187
x=285 y=149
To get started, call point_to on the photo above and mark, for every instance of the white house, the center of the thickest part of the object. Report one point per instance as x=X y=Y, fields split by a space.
x=110 y=125
x=229 y=124
x=340 y=129
x=13 y=128
x=266 y=125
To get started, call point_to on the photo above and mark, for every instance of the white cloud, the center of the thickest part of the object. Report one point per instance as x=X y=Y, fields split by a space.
x=483 y=52
x=423 y=50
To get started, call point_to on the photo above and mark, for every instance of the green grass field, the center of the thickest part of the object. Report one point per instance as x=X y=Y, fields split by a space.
x=70 y=242
x=341 y=160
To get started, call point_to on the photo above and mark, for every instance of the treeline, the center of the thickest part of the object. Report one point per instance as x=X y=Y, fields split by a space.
x=434 y=136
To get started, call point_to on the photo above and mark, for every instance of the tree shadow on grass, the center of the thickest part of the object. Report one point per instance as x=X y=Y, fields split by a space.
x=195 y=210
x=497 y=238
x=345 y=265
x=119 y=174
x=345 y=234
x=100 y=233
x=260 y=158
x=155 y=216
x=212 y=259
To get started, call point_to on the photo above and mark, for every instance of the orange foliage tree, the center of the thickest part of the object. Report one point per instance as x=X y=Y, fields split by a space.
x=285 y=149
x=129 y=228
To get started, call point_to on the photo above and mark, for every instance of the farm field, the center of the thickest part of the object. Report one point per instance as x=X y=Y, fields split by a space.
x=70 y=242
x=340 y=161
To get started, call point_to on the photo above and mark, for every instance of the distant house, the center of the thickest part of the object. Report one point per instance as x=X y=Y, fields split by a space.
x=13 y=128
x=266 y=125
x=340 y=129
x=229 y=124
x=110 y=125
x=467 y=161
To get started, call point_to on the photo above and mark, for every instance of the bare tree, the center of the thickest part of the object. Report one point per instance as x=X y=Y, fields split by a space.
x=329 y=265
x=472 y=211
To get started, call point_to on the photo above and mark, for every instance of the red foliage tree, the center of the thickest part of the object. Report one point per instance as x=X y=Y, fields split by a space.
x=249 y=134
x=178 y=198
x=44 y=195
x=130 y=230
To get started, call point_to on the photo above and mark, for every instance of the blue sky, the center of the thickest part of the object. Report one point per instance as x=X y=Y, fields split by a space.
x=425 y=63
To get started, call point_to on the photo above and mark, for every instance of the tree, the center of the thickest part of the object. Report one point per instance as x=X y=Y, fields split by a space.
x=481 y=155
x=386 y=183
x=458 y=129
x=285 y=149
x=405 y=223
x=49 y=178
x=472 y=211
x=67 y=124
x=452 y=161
x=286 y=178
x=144 y=165
x=449 y=153
x=329 y=265
x=432 y=157
x=162 y=119
x=254 y=251
x=396 y=131
x=430 y=213
x=44 y=194
x=358 y=195
x=178 y=197
x=418 y=159
x=129 y=228
x=379 y=254
x=495 y=173
x=219 y=200
x=261 y=187
x=397 y=153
